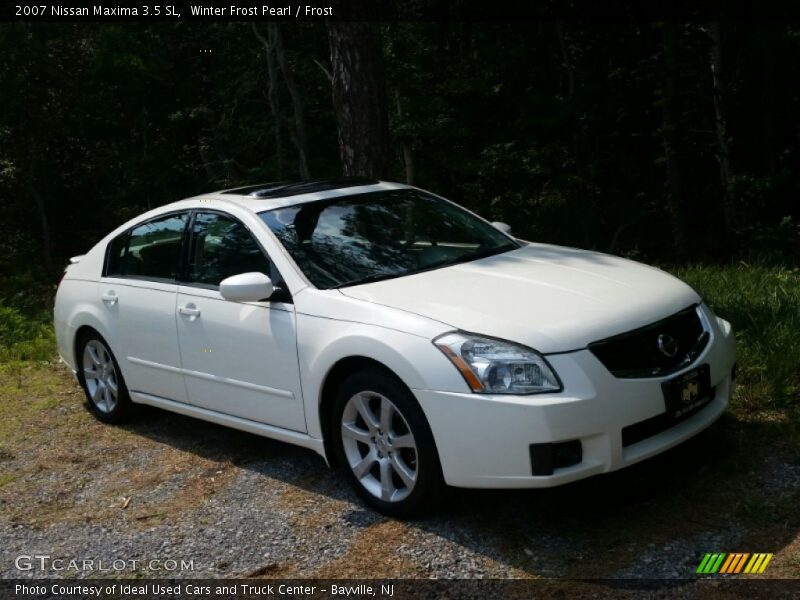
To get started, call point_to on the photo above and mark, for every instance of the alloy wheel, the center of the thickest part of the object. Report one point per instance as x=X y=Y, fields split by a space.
x=100 y=376
x=379 y=446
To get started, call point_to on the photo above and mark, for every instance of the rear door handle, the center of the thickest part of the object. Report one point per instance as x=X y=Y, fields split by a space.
x=109 y=298
x=190 y=310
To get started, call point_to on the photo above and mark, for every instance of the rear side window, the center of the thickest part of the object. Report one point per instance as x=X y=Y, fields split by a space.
x=222 y=247
x=149 y=251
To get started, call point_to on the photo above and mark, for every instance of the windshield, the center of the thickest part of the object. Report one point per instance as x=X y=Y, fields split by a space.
x=368 y=237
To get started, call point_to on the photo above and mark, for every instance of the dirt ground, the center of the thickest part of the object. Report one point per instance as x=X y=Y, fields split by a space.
x=167 y=487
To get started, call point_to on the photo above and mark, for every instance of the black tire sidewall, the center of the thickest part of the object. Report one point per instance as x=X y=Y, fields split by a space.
x=429 y=484
x=124 y=407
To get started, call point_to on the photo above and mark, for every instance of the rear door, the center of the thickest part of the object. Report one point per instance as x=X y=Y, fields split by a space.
x=238 y=358
x=138 y=292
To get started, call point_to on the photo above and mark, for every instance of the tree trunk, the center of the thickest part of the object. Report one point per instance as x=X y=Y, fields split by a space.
x=566 y=61
x=723 y=143
x=579 y=143
x=145 y=126
x=219 y=138
x=408 y=159
x=670 y=138
x=47 y=254
x=768 y=109
x=202 y=148
x=298 y=133
x=359 y=98
x=408 y=156
x=272 y=98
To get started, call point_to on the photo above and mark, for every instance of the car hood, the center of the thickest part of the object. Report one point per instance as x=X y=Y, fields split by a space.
x=551 y=298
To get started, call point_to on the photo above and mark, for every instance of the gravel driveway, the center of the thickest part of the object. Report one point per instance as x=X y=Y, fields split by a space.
x=168 y=487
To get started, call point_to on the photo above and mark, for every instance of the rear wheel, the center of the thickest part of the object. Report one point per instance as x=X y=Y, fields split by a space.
x=385 y=445
x=101 y=379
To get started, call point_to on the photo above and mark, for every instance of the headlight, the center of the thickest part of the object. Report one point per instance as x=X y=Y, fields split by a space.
x=497 y=367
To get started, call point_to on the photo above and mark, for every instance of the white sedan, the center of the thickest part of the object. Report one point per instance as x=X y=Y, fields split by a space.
x=404 y=339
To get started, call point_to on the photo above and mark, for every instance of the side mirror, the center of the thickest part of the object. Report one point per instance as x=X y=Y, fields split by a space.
x=504 y=227
x=247 y=287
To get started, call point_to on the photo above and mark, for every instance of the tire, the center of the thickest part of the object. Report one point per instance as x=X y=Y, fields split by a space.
x=99 y=374
x=392 y=463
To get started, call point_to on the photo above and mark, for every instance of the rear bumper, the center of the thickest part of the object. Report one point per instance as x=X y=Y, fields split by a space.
x=484 y=441
x=65 y=334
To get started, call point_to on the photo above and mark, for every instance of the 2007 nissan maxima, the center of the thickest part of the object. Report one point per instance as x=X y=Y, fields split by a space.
x=406 y=340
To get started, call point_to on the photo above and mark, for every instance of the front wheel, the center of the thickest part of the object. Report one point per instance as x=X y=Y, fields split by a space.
x=385 y=445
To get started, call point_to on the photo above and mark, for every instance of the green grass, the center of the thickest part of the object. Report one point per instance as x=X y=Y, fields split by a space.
x=763 y=304
x=26 y=389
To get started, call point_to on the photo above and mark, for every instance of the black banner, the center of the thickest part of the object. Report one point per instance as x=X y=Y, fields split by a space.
x=398 y=589
x=393 y=10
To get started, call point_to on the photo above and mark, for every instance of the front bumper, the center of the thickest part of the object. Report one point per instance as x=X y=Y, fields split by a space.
x=484 y=441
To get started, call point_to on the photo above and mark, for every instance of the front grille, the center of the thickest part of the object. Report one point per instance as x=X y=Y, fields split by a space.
x=647 y=351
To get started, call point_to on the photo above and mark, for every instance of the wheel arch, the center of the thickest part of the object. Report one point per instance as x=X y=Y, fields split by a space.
x=338 y=372
x=79 y=333
x=328 y=351
x=84 y=318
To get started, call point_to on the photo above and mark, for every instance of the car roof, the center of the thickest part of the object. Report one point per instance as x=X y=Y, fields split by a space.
x=267 y=196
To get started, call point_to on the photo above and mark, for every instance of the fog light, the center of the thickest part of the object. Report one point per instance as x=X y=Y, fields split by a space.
x=545 y=458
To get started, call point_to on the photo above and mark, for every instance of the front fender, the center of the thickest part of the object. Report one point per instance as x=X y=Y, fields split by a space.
x=321 y=343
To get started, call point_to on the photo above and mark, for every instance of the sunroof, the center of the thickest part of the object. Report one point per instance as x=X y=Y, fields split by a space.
x=281 y=189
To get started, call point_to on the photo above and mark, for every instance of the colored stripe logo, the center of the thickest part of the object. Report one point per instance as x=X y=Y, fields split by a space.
x=735 y=562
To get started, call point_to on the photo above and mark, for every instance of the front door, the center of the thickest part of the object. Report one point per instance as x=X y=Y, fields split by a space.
x=238 y=358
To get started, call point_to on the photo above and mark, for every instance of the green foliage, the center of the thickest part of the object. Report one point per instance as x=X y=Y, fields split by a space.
x=26 y=301
x=763 y=304
x=24 y=338
x=770 y=244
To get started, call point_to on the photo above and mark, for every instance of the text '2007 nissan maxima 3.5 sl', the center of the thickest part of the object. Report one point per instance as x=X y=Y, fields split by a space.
x=403 y=338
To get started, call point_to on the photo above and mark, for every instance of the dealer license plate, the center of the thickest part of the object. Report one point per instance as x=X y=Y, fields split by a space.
x=688 y=392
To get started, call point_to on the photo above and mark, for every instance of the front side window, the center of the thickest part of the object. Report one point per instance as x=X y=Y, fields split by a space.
x=381 y=235
x=149 y=251
x=221 y=247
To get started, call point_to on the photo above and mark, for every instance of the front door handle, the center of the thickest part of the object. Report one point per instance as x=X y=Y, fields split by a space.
x=109 y=298
x=190 y=310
